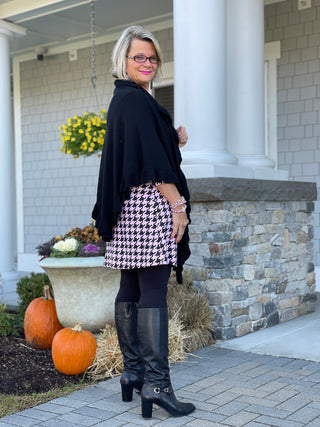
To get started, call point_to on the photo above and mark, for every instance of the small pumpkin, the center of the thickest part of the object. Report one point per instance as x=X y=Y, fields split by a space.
x=73 y=350
x=41 y=322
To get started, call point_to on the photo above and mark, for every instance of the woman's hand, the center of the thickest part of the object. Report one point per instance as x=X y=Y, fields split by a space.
x=180 y=221
x=183 y=136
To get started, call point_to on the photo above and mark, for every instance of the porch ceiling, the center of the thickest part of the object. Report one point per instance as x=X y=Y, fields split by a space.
x=53 y=23
x=56 y=22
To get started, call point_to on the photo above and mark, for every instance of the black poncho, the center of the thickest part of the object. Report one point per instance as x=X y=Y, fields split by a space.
x=140 y=146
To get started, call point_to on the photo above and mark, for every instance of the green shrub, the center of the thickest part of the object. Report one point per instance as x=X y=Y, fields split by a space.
x=29 y=288
x=9 y=322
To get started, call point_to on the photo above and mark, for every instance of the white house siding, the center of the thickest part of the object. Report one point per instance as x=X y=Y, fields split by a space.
x=59 y=191
x=298 y=93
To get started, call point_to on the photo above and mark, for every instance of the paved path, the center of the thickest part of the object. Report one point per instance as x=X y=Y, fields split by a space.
x=229 y=388
x=298 y=338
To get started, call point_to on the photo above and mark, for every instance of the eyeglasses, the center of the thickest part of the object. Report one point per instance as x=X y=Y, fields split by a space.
x=142 y=58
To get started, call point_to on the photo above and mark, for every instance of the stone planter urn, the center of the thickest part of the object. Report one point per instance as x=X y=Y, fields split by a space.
x=84 y=290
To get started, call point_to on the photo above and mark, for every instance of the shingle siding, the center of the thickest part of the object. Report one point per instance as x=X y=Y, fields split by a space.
x=298 y=92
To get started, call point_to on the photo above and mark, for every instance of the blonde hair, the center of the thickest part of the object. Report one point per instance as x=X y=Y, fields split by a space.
x=122 y=47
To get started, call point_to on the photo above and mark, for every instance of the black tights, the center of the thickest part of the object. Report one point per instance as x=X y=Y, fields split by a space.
x=147 y=286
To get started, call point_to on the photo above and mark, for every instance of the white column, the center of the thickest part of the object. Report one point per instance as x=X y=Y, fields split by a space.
x=200 y=82
x=245 y=65
x=7 y=185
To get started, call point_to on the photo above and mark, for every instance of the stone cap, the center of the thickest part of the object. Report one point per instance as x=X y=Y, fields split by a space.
x=240 y=189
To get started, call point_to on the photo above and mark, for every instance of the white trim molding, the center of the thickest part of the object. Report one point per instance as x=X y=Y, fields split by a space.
x=17 y=7
x=267 y=2
x=10 y=28
x=271 y=54
x=29 y=263
x=18 y=156
x=167 y=75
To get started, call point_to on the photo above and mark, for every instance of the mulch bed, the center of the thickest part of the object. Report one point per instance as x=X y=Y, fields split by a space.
x=24 y=370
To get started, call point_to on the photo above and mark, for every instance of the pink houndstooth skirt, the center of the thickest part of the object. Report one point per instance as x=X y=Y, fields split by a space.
x=141 y=237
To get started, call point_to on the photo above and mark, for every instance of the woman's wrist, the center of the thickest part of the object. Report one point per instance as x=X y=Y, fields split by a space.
x=179 y=205
x=181 y=201
x=182 y=208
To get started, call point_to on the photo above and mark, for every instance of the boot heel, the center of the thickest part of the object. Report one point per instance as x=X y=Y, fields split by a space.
x=126 y=390
x=146 y=407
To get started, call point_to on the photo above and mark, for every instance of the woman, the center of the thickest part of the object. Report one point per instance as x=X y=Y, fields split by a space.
x=142 y=213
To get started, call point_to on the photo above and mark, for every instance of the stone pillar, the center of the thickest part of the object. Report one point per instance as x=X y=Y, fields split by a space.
x=245 y=66
x=7 y=184
x=200 y=83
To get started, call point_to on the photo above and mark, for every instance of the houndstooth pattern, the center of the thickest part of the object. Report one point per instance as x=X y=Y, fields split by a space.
x=142 y=235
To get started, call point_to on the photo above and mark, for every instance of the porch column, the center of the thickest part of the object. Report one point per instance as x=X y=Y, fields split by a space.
x=245 y=66
x=7 y=185
x=200 y=83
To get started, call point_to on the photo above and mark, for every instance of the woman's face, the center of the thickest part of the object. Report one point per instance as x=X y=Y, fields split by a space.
x=141 y=73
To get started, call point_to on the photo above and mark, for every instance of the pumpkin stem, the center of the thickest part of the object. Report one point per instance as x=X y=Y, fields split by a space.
x=77 y=328
x=46 y=293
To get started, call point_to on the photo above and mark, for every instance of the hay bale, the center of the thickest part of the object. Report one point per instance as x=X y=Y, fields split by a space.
x=193 y=310
x=177 y=339
x=108 y=361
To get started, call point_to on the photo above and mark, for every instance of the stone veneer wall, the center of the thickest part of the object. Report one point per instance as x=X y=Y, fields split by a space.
x=252 y=251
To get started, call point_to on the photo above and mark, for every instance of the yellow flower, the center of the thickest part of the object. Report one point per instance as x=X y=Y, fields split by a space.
x=83 y=135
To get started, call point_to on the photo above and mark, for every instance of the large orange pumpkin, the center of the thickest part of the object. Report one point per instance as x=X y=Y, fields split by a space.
x=41 y=322
x=73 y=350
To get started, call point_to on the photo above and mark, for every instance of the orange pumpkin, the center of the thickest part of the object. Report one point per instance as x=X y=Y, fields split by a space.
x=41 y=322
x=73 y=350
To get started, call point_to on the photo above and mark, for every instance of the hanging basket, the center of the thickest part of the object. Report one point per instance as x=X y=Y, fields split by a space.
x=84 y=135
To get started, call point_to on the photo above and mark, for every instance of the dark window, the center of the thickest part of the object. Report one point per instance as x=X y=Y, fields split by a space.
x=164 y=95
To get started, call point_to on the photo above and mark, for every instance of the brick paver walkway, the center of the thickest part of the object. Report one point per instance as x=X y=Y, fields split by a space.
x=228 y=387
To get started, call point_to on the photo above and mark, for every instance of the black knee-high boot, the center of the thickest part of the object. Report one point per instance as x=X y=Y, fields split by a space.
x=153 y=341
x=133 y=365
